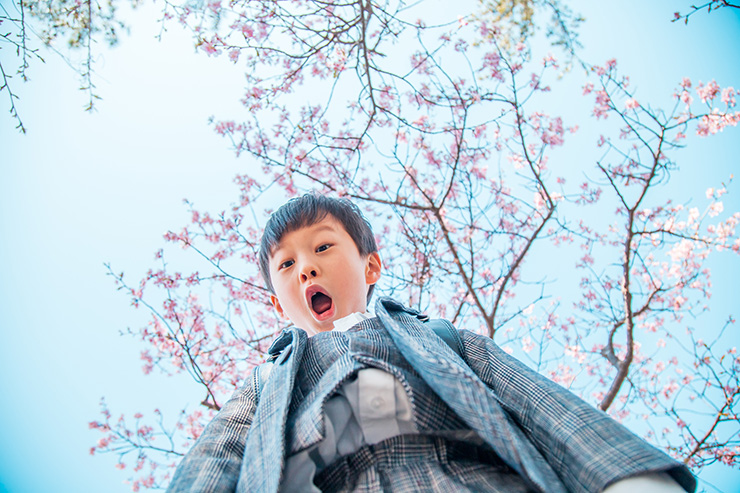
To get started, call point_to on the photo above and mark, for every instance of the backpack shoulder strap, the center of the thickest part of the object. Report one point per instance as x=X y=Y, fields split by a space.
x=448 y=333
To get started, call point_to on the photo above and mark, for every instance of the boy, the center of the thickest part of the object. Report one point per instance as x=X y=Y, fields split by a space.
x=361 y=403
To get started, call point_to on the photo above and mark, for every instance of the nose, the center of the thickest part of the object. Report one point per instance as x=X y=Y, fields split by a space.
x=309 y=271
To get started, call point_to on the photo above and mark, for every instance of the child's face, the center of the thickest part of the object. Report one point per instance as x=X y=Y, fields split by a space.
x=319 y=275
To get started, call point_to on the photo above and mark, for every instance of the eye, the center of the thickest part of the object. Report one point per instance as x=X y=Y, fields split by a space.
x=285 y=264
x=323 y=248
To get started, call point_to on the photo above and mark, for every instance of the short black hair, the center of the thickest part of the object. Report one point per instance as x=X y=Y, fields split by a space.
x=307 y=210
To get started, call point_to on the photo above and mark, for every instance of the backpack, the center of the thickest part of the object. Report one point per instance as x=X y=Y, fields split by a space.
x=444 y=329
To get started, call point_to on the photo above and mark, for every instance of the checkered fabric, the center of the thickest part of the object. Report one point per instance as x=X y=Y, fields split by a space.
x=414 y=463
x=532 y=435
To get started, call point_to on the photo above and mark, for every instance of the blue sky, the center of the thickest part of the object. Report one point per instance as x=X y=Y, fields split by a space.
x=80 y=189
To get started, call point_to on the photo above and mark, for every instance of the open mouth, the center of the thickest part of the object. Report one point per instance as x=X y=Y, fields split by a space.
x=320 y=302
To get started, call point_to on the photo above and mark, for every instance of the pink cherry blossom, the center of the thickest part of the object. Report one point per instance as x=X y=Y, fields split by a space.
x=631 y=104
x=707 y=92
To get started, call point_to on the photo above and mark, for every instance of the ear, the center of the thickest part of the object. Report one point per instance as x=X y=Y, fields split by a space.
x=373 y=268
x=276 y=303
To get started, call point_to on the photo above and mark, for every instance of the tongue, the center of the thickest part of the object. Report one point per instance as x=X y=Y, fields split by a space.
x=320 y=303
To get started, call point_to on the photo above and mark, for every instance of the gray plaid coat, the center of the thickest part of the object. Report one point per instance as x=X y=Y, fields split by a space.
x=530 y=433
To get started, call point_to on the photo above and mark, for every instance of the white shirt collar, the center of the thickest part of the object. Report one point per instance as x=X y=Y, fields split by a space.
x=351 y=320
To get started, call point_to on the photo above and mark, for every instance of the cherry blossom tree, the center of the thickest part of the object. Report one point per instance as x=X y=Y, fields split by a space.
x=710 y=6
x=439 y=129
x=79 y=24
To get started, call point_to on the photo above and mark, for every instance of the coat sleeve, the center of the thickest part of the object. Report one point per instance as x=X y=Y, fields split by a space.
x=585 y=447
x=214 y=462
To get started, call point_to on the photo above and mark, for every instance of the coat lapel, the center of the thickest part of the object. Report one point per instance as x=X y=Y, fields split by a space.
x=455 y=383
x=264 y=453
